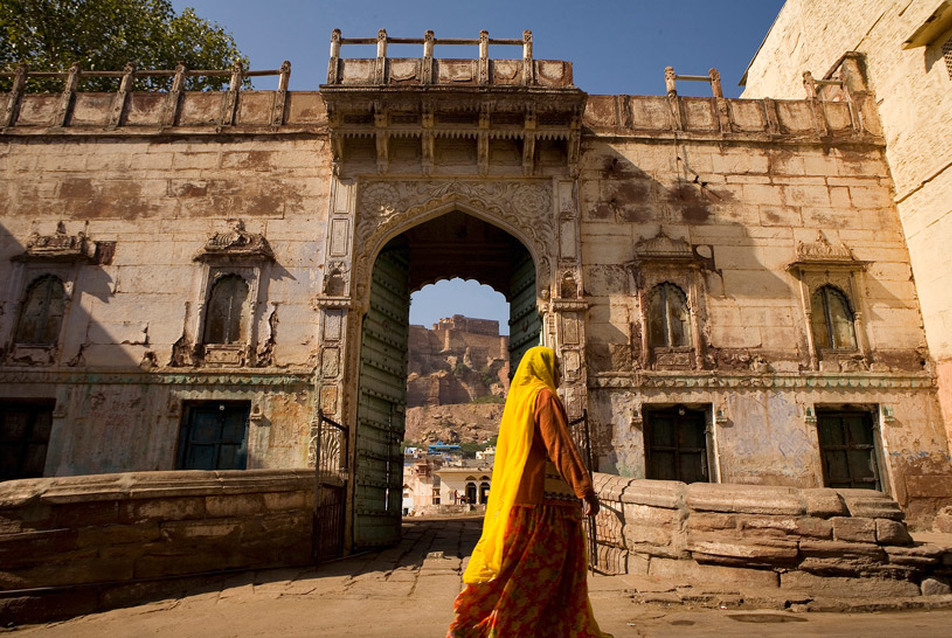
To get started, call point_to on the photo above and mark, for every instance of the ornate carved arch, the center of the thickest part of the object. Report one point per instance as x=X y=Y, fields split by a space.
x=387 y=208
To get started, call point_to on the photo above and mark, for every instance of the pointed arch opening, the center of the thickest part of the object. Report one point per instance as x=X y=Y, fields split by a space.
x=454 y=244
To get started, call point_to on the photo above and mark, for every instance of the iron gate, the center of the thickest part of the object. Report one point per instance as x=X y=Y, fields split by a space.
x=583 y=440
x=330 y=492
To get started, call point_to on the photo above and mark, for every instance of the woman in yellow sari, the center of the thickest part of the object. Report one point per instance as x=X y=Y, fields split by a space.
x=527 y=574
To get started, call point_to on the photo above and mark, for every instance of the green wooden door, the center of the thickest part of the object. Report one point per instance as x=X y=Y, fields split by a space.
x=848 y=449
x=214 y=436
x=381 y=407
x=525 y=323
x=676 y=445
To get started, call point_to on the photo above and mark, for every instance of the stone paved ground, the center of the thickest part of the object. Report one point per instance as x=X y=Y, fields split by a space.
x=407 y=591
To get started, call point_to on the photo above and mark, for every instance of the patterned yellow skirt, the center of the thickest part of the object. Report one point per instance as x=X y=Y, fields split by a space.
x=541 y=589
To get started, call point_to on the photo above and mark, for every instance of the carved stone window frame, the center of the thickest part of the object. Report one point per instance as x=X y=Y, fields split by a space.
x=818 y=264
x=660 y=260
x=249 y=256
x=60 y=255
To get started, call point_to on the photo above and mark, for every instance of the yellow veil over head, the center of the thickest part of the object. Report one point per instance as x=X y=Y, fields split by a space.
x=536 y=371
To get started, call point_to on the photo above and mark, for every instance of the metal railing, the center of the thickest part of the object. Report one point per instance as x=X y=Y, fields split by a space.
x=330 y=469
x=330 y=447
x=582 y=436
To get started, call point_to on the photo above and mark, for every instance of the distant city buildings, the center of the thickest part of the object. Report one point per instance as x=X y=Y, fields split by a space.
x=443 y=482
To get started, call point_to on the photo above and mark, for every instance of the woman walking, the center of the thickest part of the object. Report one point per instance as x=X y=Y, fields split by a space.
x=527 y=574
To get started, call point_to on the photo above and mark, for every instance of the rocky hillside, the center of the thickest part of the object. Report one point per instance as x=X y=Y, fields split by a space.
x=458 y=379
x=460 y=423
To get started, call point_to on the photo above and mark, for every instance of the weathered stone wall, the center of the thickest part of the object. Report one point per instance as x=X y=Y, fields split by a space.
x=818 y=540
x=134 y=321
x=121 y=528
x=745 y=205
x=914 y=104
x=741 y=208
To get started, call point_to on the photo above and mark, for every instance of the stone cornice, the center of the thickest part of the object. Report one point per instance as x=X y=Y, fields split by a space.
x=249 y=378
x=325 y=301
x=176 y=132
x=565 y=305
x=805 y=381
x=236 y=245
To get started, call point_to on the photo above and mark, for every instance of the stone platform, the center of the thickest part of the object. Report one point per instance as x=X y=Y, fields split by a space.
x=408 y=590
x=798 y=539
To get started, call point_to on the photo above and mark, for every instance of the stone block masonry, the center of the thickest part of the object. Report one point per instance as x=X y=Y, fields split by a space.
x=99 y=531
x=810 y=539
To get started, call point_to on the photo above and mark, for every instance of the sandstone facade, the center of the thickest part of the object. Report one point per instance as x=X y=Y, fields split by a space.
x=907 y=51
x=729 y=273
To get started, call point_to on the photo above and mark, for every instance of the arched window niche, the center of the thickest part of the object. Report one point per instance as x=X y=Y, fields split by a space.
x=234 y=325
x=831 y=282
x=832 y=319
x=669 y=324
x=226 y=320
x=668 y=280
x=43 y=289
x=41 y=312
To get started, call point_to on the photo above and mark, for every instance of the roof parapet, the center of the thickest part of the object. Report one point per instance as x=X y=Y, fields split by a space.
x=430 y=70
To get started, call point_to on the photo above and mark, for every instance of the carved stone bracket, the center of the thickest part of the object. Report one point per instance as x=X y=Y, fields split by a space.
x=236 y=244
x=58 y=247
x=565 y=305
x=821 y=253
x=322 y=301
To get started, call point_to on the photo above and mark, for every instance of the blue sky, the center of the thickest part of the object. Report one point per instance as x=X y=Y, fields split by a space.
x=616 y=46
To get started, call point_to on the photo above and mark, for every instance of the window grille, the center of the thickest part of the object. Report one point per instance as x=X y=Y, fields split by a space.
x=224 y=315
x=668 y=317
x=833 y=320
x=41 y=315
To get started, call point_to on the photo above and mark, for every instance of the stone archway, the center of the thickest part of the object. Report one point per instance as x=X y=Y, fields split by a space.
x=368 y=212
x=454 y=244
x=522 y=208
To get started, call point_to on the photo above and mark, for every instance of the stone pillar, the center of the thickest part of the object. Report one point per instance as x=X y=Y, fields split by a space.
x=428 y=42
x=334 y=306
x=12 y=109
x=566 y=307
x=69 y=94
x=484 y=57
x=332 y=62
x=120 y=99
x=381 y=67
x=528 y=67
